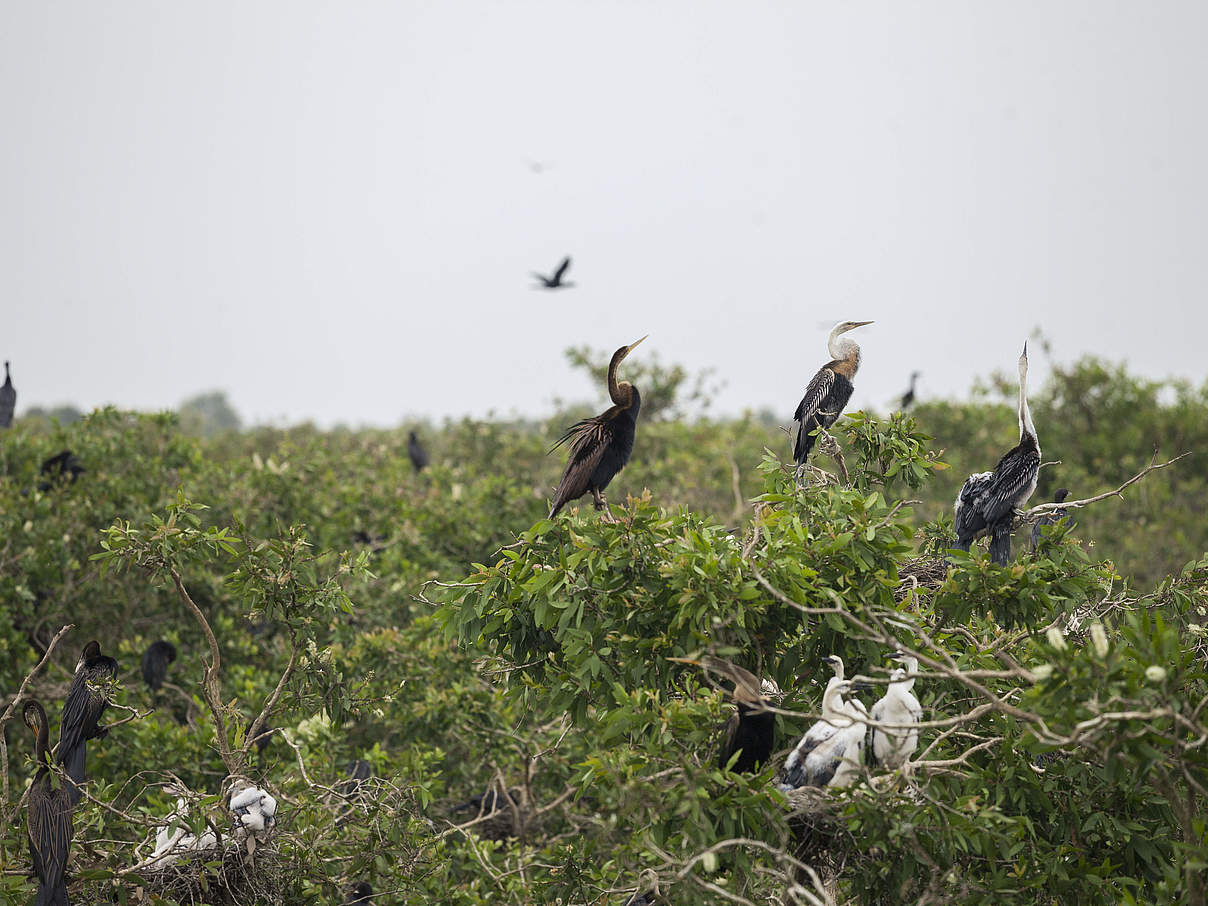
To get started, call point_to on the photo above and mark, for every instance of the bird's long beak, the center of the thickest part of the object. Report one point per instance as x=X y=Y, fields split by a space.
x=1025 y=349
x=685 y=660
x=633 y=346
x=855 y=324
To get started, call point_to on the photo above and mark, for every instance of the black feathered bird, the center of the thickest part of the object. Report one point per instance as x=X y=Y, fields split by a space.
x=8 y=399
x=415 y=450
x=987 y=501
x=907 y=399
x=1053 y=517
x=358 y=771
x=359 y=894
x=87 y=698
x=600 y=446
x=63 y=467
x=829 y=389
x=556 y=281
x=156 y=659
x=750 y=731
x=49 y=817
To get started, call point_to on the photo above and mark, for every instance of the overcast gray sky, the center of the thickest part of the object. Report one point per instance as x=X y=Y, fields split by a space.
x=329 y=209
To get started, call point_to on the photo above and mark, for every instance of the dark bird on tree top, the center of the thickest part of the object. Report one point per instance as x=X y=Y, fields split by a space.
x=87 y=698
x=156 y=659
x=987 y=501
x=556 y=281
x=419 y=456
x=359 y=895
x=829 y=390
x=750 y=731
x=1052 y=518
x=8 y=399
x=49 y=817
x=600 y=446
x=908 y=397
x=63 y=467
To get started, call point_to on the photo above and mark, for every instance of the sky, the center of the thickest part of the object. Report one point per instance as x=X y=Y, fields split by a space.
x=330 y=210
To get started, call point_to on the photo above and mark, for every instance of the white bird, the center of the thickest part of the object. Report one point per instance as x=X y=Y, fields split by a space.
x=836 y=664
x=830 y=752
x=892 y=745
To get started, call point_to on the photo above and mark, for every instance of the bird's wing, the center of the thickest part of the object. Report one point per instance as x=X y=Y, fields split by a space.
x=815 y=393
x=589 y=439
x=1015 y=472
x=561 y=269
x=729 y=733
x=50 y=833
x=823 y=762
x=75 y=713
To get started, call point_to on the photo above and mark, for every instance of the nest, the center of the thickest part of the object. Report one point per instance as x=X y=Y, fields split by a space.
x=920 y=573
x=228 y=877
x=820 y=837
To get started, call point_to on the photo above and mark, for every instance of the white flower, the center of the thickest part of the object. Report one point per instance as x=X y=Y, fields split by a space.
x=1155 y=674
x=1043 y=672
x=1056 y=638
x=1099 y=639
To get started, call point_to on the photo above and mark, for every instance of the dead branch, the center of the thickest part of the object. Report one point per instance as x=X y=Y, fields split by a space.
x=1041 y=509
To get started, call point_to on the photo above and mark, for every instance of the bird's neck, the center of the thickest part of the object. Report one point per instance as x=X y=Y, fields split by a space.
x=844 y=349
x=617 y=392
x=1026 y=428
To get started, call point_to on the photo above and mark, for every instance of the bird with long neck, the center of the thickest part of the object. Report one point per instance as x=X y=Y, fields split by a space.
x=891 y=741
x=829 y=390
x=602 y=445
x=49 y=817
x=908 y=397
x=987 y=501
x=8 y=399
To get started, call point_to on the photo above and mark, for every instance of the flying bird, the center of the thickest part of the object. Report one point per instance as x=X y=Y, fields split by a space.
x=987 y=501
x=600 y=446
x=891 y=745
x=830 y=752
x=415 y=450
x=907 y=399
x=156 y=659
x=1053 y=517
x=750 y=731
x=87 y=698
x=829 y=389
x=556 y=281
x=49 y=817
x=8 y=399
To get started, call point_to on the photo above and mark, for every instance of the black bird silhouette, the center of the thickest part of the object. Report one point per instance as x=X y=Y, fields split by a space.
x=485 y=803
x=8 y=398
x=49 y=814
x=87 y=698
x=419 y=456
x=908 y=397
x=64 y=467
x=600 y=446
x=556 y=281
x=1053 y=517
x=156 y=659
x=263 y=737
x=359 y=894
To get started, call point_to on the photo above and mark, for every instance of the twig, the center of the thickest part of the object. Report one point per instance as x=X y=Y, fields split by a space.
x=1039 y=510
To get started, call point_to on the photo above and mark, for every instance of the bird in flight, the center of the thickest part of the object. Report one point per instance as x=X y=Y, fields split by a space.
x=555 y=282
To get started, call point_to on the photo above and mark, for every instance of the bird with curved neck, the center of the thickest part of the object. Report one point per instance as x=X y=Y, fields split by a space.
x=908 y=397
x=87 y=698
x=894 y=743
x=987 y=501
x=8 y=399
x=601 y=445
x=829 y=390
x=49 y=817
x=831 y=751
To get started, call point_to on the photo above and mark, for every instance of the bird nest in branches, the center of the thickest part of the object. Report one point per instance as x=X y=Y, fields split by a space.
x=215 y=877
x=820 y=837
x=926 y=573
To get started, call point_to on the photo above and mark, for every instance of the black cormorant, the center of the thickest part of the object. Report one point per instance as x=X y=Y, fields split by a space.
x=828 y=391
x=8 y=399
x=893 y=745
x=1053 y=517
x=87 y=698
x=419 y=456
x=359 y=894
x=64 y=466
x=907 y=399
x=156 y=659
x=556 y=281
x=830 y=752
x=987 y=501
x=49 y=817
x=600 y=446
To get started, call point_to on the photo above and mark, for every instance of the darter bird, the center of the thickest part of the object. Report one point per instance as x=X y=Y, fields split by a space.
x=49 y=817
x=156 y=659
x=828 y=391
x=750 y=731
x=555 y=281
x=907 y=399
x=831 y=751
x=87 y=698
x=8 y=399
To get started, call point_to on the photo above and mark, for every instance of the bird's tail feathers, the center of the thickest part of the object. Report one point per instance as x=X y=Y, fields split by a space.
x=1000 y=544
x=73 y=766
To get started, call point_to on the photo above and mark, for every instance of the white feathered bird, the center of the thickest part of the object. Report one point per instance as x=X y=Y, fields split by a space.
x=893 y=745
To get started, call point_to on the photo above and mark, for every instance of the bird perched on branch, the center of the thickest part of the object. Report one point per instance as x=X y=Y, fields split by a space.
x=750 y=731
x=907 y=399
x=8 y=399
x=831 y=751
x=893 y=745
x=555 y=281
x=600 y=446
x=829 y=389
x=87 y=698
x=64 y=467
x=417 y=453
x=49 y=817
x=1052 y=517
x=987 y=501
x=359 y=894
x=156 y=659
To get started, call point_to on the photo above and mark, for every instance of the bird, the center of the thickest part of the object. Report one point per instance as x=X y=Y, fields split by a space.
x=836 y=664
x=48 y=817
x=87 y=698
x=829 y=389
x=987 y=501
x=64 y=466
x=907 y=399
x=892 y=746
x=358 y=771
x=359 y=894
x=263 y=736
x=487 y=802
x=254 y=809
x=1053 y=516
x=750 y=730
x=419 y=456
x=556 y=281
x=600 y=446
x=8 y=399
x=156 y=659
x=830 y=752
